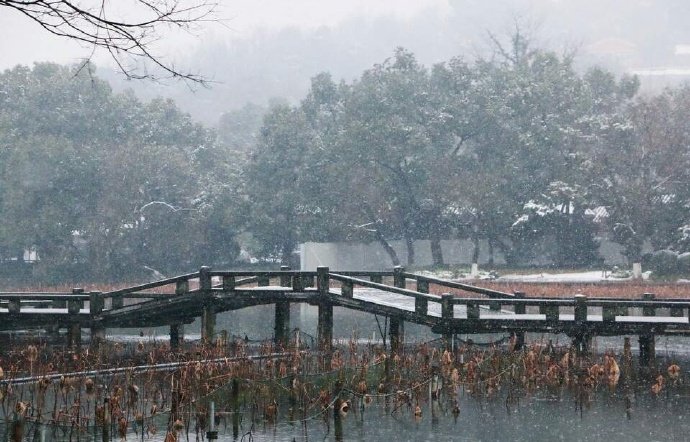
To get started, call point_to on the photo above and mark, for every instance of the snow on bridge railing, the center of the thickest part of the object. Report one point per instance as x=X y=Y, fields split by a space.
x=426 y=280
x=152 y=285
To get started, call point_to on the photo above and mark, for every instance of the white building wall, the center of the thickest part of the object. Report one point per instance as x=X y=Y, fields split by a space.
x=372 y=256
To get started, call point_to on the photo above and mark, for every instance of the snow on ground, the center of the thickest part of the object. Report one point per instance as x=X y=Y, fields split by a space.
x=583 y=277
x=593 y=276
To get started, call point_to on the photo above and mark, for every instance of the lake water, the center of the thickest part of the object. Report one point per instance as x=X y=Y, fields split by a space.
x=541 y=417
x=628 y=413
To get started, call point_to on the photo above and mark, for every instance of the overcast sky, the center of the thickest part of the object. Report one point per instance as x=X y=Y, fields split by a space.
x=23 y=42
x=647 y=37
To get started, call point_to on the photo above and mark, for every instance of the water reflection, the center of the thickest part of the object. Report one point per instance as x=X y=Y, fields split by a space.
x=543 y=392
x=542 y=417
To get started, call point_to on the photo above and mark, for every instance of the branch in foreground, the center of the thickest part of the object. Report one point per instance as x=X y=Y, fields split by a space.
x=127 y=40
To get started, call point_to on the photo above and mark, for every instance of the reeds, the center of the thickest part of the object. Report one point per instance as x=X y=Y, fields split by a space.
x=110 y=391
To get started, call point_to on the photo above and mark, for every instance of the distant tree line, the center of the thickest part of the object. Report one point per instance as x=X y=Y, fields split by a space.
x=103 y=186
x=508 y=150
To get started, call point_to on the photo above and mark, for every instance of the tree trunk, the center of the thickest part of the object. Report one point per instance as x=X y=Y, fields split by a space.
x=388 y=248
x=409 y=242
x=475 y=244
x=436 y=251
x=490 y=240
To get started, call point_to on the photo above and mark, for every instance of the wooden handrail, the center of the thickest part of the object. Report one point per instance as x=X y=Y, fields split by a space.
x=152 y=285
x=460 y=286
x=269 y=273
x=277 y=273
x=384 y=287
x=44 y=296
x=570 y=302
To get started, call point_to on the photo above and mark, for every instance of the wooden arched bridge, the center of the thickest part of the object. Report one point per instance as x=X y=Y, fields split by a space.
x=402 y=296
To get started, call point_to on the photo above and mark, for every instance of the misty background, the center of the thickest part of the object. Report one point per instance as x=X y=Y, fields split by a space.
x=261 y=50
x=350 y=121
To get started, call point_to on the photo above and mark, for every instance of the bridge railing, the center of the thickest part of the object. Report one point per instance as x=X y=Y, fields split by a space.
x=348 y=284
x=15 y=301
x=138 y=293
x=423 y=283
x=580 y=306
x=294 y=279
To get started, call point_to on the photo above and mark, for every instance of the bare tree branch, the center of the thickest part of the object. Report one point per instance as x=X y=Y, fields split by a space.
x=127 y=41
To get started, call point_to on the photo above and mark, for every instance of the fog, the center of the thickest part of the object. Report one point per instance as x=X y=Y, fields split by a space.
x=258 y=50
x=277 y=59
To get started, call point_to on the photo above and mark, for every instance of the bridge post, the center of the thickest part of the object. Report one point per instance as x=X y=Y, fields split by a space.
x=208 y=315
x=297 y=283
x=228 y=283
x=519 y=309
x=325 y=326
x=399 y=277
x=582 y=339
x=322 y=281
x=281 y=335
x=580 y=309
x=208 y=325
x=421 y=305
x=177 y=329
x=75 y=305
x=472 y=311
x=74 y=327
x=205 y=279
x=647 y=339
x=96 y=305
x=176 y=336
x=285 y=279
x=648 y=311
x=14 y=306
x=396 y=333
x=325 y=321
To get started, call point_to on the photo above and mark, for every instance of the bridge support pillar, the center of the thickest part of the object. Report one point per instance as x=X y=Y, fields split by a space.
x=74 y=307
x=96 y=305
x=208 y=325
x=176 y=336
x=647 y=349
x=74 y=336
x=397 y=334
x=282 y=324
x=447 y=317
x=520 y=309
x=208 y=315
x=646 y=340
x=325 y=326
x=97 y=336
